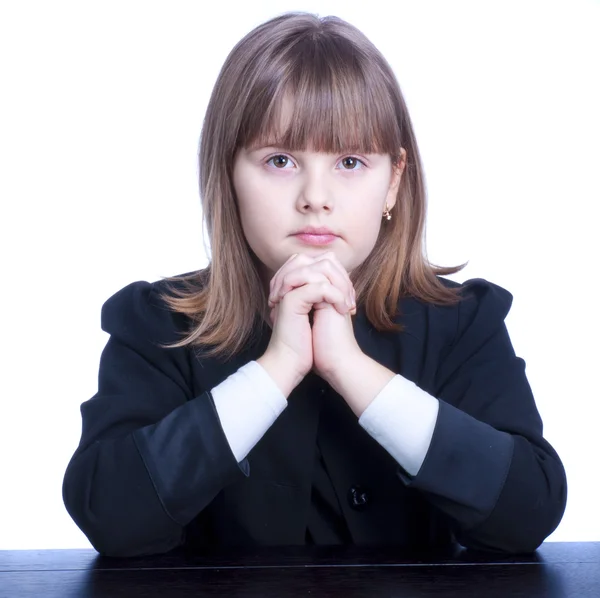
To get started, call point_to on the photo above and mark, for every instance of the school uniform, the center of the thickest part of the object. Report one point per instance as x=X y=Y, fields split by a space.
x=160 y=463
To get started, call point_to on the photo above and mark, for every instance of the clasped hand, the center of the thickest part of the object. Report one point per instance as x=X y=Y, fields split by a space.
x=321 y=285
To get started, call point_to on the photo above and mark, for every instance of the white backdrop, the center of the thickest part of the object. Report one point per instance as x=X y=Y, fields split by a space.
x=101 y=105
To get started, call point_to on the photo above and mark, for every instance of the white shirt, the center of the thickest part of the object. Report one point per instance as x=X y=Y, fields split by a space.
x=401 y=417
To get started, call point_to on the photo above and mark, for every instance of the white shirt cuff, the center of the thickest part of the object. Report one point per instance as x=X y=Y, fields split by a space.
x=247 y=402
x=402 y=418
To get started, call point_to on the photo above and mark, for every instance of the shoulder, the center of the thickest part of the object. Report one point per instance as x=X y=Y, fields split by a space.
x=139 y=309
x=483 y=306
x=479 y=289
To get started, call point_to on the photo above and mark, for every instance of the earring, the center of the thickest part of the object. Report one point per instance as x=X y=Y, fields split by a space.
x=387 y=214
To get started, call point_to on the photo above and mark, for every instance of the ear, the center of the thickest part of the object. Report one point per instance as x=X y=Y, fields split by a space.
x=397 y=172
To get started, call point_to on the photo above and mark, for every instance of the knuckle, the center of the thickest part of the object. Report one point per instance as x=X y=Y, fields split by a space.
x=286 y=299
x=286 y=279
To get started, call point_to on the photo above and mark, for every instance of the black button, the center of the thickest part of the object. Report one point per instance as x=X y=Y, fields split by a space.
x=322 y=390
x=358 y=498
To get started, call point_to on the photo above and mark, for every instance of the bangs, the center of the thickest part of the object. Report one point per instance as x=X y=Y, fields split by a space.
x=321 y=95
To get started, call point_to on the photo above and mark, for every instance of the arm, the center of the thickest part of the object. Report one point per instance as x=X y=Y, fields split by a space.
x=151 y=456
x=486 y=464
x=392 y=409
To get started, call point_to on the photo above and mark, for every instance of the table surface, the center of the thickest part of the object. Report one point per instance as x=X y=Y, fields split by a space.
x=556 y=570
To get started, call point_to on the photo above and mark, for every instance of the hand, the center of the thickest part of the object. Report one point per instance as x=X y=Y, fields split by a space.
x=333 y=341
x=301 y=269
x=304 y=283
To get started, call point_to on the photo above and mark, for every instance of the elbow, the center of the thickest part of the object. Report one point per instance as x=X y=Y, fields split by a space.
x=114 y=538
x=115 y=523
x=516 y=544
x=115 y=545
x=97 y=528
x=501 y=547
x=521 y=534
x=531 y=505
x=509 y=541
x=506 y=545
x=111 y=538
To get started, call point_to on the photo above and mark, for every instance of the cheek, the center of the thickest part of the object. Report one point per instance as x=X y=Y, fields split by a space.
x=366 y=207
x=258 y=208
x=254 y=224
x=260 y=224
x=250 y=200
x=365 y=220
x=364 y=233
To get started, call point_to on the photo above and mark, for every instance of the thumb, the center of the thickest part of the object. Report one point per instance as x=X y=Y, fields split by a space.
x=273 y=314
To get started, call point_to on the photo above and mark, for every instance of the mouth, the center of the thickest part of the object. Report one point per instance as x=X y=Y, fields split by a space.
x=316 y=239
x=316 y=235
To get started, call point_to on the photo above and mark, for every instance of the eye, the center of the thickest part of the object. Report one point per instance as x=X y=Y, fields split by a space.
x=350 y=163
x=279 y=161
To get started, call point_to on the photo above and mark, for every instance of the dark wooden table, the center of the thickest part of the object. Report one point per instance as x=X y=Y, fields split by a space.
x=556 y=570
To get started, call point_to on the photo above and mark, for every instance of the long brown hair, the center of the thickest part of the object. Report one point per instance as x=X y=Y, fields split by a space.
x=345 y=97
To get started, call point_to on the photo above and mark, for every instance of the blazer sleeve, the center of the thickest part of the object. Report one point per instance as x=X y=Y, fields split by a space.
x=488 y=468
x=151 y=456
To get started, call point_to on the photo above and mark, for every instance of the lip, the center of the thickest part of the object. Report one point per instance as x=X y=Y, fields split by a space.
x=315 y=230
x=311 y=239
x=316 y=235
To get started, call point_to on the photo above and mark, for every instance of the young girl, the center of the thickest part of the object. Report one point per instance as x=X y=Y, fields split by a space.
x=319 y=382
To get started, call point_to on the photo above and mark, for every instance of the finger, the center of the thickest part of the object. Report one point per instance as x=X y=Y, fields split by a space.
x=275 y=281
x=334 y=273
x=324 y=305
x=294 y=275
x=332 y=257
x=323 y=272
x=298 y=261
x=297 y=278
x=304 y=298
x=280 y=268
x=327 y=262
x=273 y=315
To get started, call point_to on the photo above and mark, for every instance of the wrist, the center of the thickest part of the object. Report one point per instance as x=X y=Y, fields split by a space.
x=282 y=371
x=359 y=381
x=337 y=374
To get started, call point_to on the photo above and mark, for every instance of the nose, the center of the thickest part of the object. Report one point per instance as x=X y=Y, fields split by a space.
x=315 y=193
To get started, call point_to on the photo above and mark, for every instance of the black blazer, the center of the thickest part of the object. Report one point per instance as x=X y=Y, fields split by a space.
x=154 y=470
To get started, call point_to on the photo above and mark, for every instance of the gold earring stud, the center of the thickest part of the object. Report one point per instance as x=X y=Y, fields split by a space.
x=387 y=214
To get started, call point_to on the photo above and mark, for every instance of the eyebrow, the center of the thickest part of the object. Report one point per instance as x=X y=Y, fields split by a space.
x=268 y=143
x=272 y=143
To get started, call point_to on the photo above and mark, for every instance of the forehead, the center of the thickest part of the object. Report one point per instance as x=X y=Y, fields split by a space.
x=327 y=88
x=273 y=130
x=323 y=120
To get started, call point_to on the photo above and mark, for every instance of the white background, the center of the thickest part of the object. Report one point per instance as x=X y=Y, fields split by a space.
x=101 y=106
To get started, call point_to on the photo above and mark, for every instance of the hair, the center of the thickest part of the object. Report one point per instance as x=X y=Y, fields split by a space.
x=345 y=97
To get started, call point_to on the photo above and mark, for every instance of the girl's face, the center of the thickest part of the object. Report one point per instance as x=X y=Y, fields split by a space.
x=279 y=193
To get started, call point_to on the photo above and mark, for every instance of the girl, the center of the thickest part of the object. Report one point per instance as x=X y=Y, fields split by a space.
x=319 y=382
